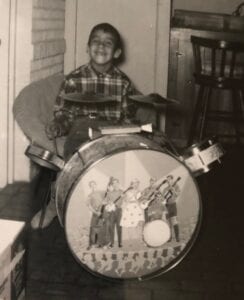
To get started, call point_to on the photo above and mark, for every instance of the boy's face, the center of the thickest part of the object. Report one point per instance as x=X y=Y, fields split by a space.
x=102 y=48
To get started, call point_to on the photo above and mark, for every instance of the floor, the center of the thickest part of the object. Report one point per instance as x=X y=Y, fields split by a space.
x=213 y=269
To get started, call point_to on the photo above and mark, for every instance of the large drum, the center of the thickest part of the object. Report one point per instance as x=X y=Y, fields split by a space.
x=130 y=209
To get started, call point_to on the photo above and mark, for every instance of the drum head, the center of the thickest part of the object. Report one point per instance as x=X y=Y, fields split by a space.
x=156 y=233
x=132 y=215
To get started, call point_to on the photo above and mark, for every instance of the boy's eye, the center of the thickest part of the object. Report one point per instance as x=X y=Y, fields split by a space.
x=107 y=44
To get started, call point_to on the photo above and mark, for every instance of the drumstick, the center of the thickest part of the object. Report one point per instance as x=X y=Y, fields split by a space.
x=55 y=146
x=46 y=198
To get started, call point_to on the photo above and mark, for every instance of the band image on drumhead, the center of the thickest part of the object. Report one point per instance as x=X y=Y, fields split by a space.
x=132 y=214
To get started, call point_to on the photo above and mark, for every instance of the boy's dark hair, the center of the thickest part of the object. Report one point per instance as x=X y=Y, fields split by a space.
x=106 y=27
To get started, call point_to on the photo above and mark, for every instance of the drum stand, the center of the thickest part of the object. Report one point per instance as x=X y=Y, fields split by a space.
x=46 y=194
x=50 y=164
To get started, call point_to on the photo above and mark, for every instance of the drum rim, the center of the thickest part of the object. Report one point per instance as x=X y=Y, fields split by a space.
x=190 y=243
x=33 y=152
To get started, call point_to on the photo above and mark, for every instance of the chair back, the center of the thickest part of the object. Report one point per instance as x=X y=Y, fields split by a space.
x=218 y=63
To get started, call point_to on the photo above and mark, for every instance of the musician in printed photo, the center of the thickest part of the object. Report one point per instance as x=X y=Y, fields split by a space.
x=156 y=203
x=170 y=194
x=117 y=196
x=152 y=196
x=94 y=202
x=112 y=213
x=156 y=209
x=145 y=194
x=132 y=219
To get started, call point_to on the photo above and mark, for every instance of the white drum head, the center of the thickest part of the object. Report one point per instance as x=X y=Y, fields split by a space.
x=156 y=233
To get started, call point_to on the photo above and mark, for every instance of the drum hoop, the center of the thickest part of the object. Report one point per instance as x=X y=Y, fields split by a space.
x=37 y=154
x=175 y=261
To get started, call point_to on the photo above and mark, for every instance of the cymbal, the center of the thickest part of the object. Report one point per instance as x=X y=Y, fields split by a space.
x=88 y=98
x=153 y=99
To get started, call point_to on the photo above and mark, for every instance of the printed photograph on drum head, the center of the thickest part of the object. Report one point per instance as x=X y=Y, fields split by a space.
x=132 y=214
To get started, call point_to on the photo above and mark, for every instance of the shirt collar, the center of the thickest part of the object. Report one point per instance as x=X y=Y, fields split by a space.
x=109 y=73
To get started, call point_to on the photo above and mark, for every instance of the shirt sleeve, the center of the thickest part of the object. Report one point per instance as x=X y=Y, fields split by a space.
x=128 y=107
x=63 y=114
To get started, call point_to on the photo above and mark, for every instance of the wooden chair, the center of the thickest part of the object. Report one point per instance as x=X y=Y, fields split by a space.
x=218 y=64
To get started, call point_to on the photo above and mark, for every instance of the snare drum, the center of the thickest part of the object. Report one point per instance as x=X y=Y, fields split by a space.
x=44 y=158
x=156 y=233
x=105 y=224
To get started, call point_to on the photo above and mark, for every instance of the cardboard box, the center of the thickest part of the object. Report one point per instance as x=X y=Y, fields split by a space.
x=12 y=260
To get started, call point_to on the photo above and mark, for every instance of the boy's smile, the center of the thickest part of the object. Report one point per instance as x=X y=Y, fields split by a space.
x=102 y=50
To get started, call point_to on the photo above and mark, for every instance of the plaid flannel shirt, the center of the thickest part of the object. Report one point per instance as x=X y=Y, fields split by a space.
x=86 y=80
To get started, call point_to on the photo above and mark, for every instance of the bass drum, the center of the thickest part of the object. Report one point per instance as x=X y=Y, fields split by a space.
x=129 y=208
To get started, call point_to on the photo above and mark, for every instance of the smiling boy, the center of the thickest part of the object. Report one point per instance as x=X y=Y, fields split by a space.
x=100 y=76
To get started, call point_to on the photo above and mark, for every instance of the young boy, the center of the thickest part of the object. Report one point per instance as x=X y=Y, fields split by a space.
x=99 y=77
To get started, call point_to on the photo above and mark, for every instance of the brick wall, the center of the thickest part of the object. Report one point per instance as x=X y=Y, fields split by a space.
x=48 y=22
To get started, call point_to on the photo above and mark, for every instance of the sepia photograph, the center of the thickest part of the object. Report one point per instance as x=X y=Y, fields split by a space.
x=122 y=139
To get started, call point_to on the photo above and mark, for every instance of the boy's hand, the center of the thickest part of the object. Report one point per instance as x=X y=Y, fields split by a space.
x=53 y=130
x=59 y=126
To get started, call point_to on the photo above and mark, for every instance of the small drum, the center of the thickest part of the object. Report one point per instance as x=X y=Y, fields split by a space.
x=156 y=233
x=44 y=158
x=130 y=210
x=202 y=157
